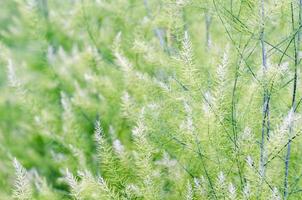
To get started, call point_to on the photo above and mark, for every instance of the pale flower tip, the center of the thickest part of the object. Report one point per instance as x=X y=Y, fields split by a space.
x=250 y=161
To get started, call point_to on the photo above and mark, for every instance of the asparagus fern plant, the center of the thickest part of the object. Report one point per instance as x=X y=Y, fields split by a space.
x=141 y=99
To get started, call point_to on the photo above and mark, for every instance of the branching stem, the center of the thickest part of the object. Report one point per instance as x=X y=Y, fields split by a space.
x=296 y=47
x=265 y=110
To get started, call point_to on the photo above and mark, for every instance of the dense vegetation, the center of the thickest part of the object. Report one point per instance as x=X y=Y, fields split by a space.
x=150 y=99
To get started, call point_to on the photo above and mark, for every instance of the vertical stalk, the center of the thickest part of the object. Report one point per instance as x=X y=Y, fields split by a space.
x=265 y=108
x=184 y=18
x=296 y=47
x=299 y=33
x=231 y=6
x=43 y=6
x=208 y=23
x=157 y=31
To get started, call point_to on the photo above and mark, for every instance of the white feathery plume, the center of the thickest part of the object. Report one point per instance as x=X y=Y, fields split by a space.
x=280 y=136
x=187 y=52
x=139 y=129
x=121 y=60
x=189 y=195
x=275 y=194
x=221 y=70
x=98 y=132
x=207 y=103
x=118 y=147
x=232 y=191
x=186 y=56
x=11 y=74
x=187 y=124
x=70 y=179
x=126 y=104
x=73 y=184
x=221 y=178
x=79 y=155
x=198 y=187
x=250 y=161
x=166 y=161
x=22 y=188
x=132 y=190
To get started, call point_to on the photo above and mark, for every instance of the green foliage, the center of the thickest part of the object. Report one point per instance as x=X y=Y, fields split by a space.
x=141 y=99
